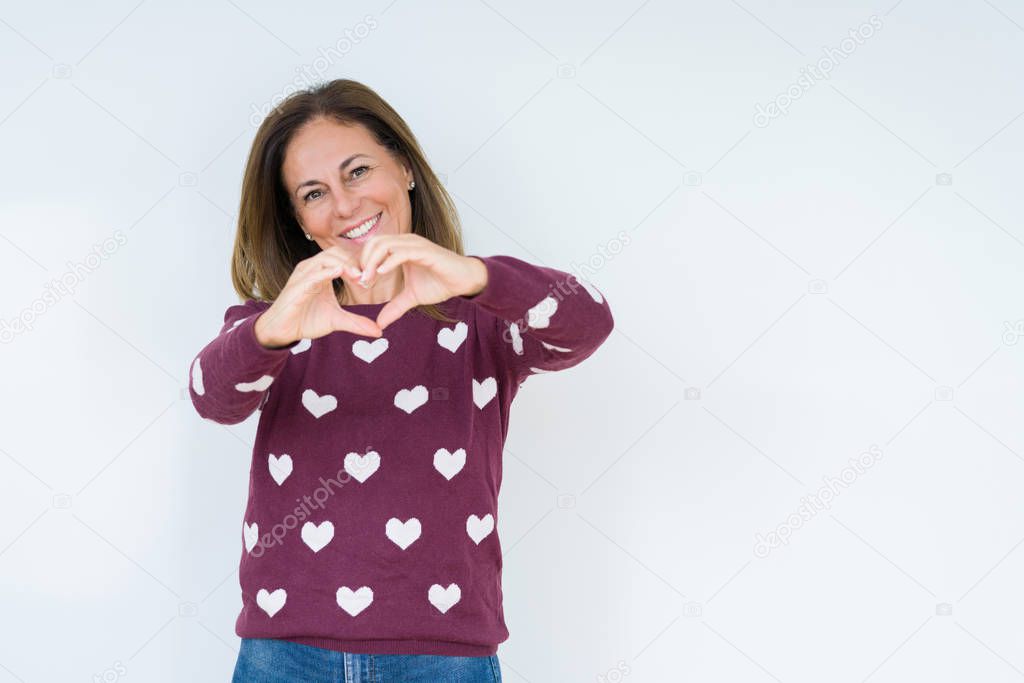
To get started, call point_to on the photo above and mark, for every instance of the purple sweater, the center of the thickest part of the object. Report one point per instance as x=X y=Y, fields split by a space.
x=373 y=490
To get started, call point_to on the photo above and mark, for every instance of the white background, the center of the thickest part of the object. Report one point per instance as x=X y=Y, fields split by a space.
x=791 y=295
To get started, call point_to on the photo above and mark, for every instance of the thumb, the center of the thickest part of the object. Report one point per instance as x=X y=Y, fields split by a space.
x=396 y=308
x=359 y=324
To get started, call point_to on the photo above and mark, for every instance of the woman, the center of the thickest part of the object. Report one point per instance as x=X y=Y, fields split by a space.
x=384 y=362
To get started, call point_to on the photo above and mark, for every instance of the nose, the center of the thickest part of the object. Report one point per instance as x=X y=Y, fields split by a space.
x=345 y=203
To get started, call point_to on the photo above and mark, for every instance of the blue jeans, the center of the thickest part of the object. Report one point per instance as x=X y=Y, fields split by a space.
x=271 y=660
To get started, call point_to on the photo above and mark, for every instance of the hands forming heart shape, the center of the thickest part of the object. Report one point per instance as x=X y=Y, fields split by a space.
x=430 y=273
x=307 y=308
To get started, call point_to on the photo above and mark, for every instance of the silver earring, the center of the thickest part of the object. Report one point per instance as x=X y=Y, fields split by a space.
x=412 y=184
x=308 y=236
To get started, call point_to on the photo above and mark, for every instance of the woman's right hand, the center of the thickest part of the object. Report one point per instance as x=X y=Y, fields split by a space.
x=307 y=308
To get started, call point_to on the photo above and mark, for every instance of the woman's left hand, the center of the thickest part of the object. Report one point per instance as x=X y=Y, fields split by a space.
x=430 y=272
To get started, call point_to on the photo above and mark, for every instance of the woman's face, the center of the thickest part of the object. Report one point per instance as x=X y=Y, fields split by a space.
x=339 y=178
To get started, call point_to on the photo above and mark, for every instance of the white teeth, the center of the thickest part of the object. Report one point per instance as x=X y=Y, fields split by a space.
x=362 y=229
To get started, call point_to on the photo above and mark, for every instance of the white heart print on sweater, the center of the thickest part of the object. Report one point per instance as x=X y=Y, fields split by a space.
x=303 y=345
x=316 y=537
x=368 y=351
x=197 y=378
x=280 y=467
x=449 y=464
x=402 y=533
x=539 y=316
x=259 y=385
x=478 y=528
x=411 y=399
x=517 y=339
x=361 y=467
x=451 y=338
x=352 y=601
x=318 y=405
x=271 y=603
x=444 y=598
x=251 y=534
x=555 y=348
x=484 y=391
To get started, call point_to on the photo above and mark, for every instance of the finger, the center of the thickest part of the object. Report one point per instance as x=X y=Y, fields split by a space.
x=346 y=321
x=342 y=319
x=373 y=251
x=396 y=308
x=395 y=256
x=327 y=273
x=298 y=290
x=331 y=258
x=319 y=283
x=331 y=255
x=391 y=260
x=315 y=263
x=311 y=286
x=313 y=279
x=378 y=247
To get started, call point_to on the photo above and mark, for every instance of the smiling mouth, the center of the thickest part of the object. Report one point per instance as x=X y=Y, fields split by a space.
x=363 y=228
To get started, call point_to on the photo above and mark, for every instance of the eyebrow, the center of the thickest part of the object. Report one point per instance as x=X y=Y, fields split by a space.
x=341 y=167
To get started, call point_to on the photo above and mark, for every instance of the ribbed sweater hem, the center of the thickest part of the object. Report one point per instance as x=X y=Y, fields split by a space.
x=397 y=647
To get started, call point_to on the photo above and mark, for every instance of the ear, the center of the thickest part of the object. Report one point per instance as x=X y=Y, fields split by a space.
x=408 y=172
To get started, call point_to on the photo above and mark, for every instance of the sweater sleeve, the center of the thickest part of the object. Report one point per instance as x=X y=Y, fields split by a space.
x=230 y=377
x=548 y=320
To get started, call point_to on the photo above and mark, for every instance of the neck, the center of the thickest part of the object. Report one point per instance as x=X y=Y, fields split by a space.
x=384 y=290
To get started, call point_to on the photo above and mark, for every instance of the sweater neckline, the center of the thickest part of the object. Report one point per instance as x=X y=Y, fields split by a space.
x=362 y=307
